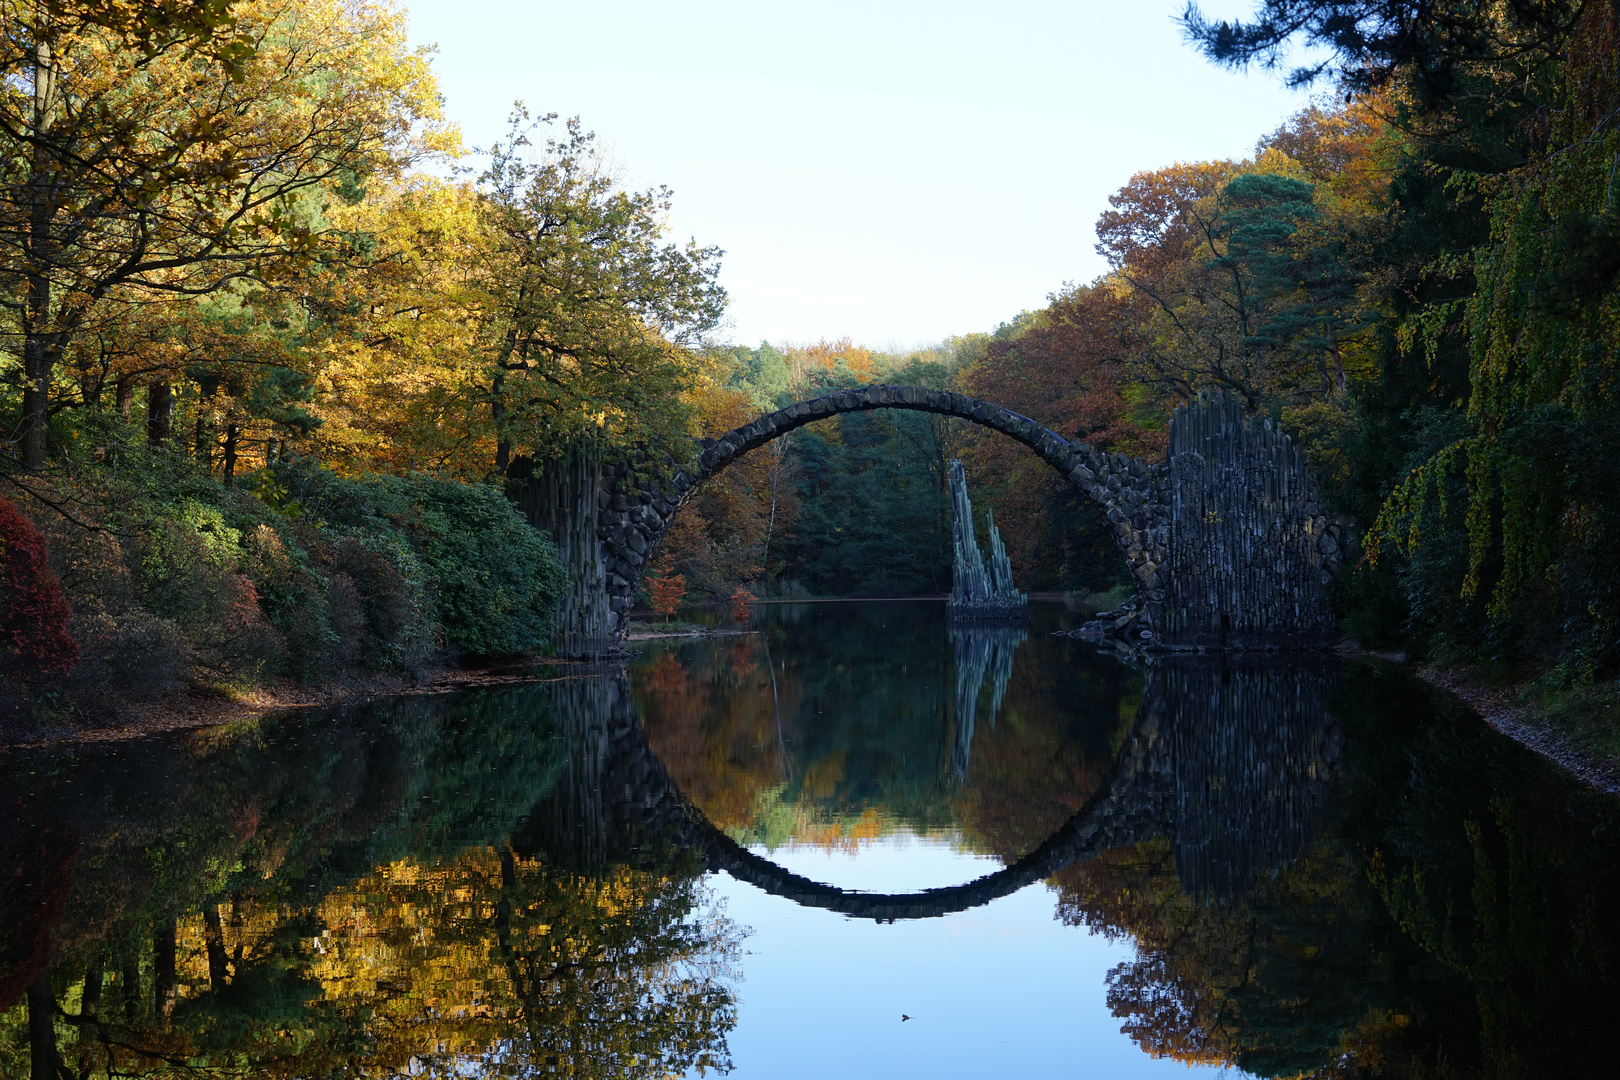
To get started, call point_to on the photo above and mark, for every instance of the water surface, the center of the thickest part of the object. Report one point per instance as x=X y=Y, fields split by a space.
x=758 y=853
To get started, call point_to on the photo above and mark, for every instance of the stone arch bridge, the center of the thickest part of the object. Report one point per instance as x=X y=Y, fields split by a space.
x=1226 y=540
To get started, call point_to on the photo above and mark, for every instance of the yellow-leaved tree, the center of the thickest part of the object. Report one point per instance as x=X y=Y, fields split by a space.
x=140 y=168
x=509 y=317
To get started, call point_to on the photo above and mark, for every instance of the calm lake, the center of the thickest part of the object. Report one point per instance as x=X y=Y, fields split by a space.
x=858 y=842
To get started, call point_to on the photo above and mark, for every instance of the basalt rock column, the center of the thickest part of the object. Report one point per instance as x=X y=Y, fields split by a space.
x=1251 y=547
x=979 y=590
x=566 y=498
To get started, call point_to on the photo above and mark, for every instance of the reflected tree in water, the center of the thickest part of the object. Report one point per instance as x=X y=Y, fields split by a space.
x=852 y=733
x=335 y=897
x=1323 y=873
x=1438 y=902
x=1250 y=950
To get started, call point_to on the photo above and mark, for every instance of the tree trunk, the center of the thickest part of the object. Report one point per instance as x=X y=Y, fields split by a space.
x=159 y=413
x=165 y=980
x=214 y=938
x=232 y=435
x=90 y=1002
x=497 y=415
x=779 y=449
x=40 y=346
x=91 y=384
x=36 y=403
x=203 y=442
x=124 y=392
x=130 y=988
x=42 y=1029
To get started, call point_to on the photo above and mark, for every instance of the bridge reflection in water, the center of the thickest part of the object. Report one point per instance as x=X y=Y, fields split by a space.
x=1229 y=761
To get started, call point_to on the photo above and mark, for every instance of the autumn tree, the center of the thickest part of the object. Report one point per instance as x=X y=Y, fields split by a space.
x=721 y=538
x=1235 y=299
x=584 y=313
x=666 y=591
x=397 y=386
x=34 y=636
x=505 y=320
x=147 y=172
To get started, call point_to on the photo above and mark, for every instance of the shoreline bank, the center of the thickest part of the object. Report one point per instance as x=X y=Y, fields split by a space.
x=1504 y=710
x=201 y=708
x=1533 y=727
x=1530 y=727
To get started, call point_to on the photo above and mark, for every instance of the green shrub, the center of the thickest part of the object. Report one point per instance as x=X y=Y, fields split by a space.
x=294 y=587
x=495 y=581
x=296 y=572
x=186 y=566
x=389 y=582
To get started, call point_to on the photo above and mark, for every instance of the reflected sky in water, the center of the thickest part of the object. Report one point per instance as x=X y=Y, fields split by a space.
x=1002 y=990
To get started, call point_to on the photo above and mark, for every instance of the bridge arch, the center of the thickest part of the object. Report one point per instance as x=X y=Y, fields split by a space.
x=1227 y=541
x=1227 y=760
x=1129 y=492
x=1102 y=823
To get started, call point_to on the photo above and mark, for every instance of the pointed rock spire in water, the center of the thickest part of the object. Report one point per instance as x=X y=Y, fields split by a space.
x=979 y=591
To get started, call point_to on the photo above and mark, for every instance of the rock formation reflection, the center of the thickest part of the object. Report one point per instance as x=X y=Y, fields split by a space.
x=983 y=650
x=1250 y=748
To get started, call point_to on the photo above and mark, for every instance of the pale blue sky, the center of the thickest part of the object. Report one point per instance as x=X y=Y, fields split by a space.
x=893 y=171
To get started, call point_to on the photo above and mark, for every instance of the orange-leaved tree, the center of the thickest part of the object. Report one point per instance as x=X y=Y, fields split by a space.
x=665 y=591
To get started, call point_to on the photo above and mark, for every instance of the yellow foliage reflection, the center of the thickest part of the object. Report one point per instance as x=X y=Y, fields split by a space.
x=489 y=964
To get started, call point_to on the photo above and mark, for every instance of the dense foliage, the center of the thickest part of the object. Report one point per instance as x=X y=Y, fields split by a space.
x=493 y=579
x=34 y=626
x=175 y=578
x=264 y=378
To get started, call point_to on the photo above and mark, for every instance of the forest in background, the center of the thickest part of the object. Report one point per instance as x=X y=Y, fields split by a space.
x=265 y=371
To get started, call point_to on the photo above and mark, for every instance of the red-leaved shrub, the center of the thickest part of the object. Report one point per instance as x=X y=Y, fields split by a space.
x=34 y=611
